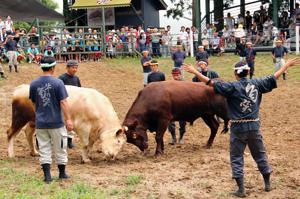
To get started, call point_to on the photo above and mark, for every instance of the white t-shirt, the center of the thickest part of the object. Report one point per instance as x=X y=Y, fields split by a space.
x=9 y=25
x=183 y=36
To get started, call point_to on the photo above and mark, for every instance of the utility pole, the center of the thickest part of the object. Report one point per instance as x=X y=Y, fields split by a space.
x=198 y=17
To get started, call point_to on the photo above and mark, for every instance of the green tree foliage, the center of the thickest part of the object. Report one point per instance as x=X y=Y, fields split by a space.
x=50 y=4
x=178 y=9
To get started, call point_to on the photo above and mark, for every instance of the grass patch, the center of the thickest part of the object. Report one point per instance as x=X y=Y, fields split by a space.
x=16 y=184
x=133 y=180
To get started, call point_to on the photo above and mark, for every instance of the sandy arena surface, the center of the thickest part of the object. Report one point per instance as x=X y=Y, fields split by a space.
x=184 y=171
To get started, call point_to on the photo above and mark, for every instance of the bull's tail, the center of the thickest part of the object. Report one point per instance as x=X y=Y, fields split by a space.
x=226 y=127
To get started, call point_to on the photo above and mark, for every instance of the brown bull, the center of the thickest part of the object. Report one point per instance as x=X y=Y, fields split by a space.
x=159 y=103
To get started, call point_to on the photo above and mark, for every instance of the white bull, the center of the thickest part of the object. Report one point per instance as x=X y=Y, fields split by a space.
x=92 y=114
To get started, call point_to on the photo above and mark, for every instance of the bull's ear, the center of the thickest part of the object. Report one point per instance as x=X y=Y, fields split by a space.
x=119 y=132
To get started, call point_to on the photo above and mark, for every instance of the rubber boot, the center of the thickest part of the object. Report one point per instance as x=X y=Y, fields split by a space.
x=241 y=190
x=16 y=68
x=47 y=174
x=10 y=68
x=267 y=182
x=62 y=172
x=284 y=76
x=70 y=143
x=173 y=140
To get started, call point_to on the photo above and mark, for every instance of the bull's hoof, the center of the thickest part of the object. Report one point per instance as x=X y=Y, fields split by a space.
x=34 y=153
x=85 y=161
x=208 y=146
x=159 y=153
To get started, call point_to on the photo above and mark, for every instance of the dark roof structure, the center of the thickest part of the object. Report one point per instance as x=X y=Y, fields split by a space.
x=28 y=10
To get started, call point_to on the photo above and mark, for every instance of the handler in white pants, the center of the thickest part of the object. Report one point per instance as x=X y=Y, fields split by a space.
x=49 y=96
x=56 y=138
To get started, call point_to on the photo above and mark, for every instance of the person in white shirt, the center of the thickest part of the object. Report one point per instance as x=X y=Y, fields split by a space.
x=183 y=37
x=9 y=25
x=2 y=25
x=229 y=21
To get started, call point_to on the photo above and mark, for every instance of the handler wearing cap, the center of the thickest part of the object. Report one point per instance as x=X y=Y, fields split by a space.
x=49 y=95
x=243 y=98
x=176 y=74
x=279 y=52
x=69 y=78
x=250 y=54
x=202 y=66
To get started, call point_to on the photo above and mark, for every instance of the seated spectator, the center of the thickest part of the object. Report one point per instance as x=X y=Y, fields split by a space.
x=267 y=33
x=215 y=44
x=49 y=52
x=33 y=54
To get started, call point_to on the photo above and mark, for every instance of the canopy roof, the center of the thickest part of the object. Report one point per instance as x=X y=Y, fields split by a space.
x=86 y=4
x=27 y=10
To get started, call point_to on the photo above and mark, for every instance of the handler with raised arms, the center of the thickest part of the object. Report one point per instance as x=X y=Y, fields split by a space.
x=243 y=99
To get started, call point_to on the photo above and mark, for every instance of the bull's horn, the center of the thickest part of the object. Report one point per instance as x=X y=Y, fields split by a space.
x=125 y=128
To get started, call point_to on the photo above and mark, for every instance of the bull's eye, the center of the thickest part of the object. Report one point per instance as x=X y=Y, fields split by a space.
x=134 y=136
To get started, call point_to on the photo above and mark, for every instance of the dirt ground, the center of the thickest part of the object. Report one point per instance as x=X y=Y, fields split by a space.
x=184 y=171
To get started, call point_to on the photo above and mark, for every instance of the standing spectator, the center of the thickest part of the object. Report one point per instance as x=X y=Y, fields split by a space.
x=142 y=41
x=155 y=75
x=9 y=25
x=2 y=25
x=248 y=21
x=33 y=54
x=178 y=57
x=240 y=48
x=195 y=33
x=202 y=67
x=188 y=42
x=279 y=53
x=48 y=94
x=250 y=54
x=145 y=61
x=240 y=20
x=11 y=48
x=201 y=53
x=243 y=99
x=176 y=74
x=70 y=78
x=165 y=39
x=3 y=34
x=155 y=39
x=229 y=21
x=183 y=38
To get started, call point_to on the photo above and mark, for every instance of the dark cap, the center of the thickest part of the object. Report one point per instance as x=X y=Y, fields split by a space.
x=72 y=63
x=176 y=71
